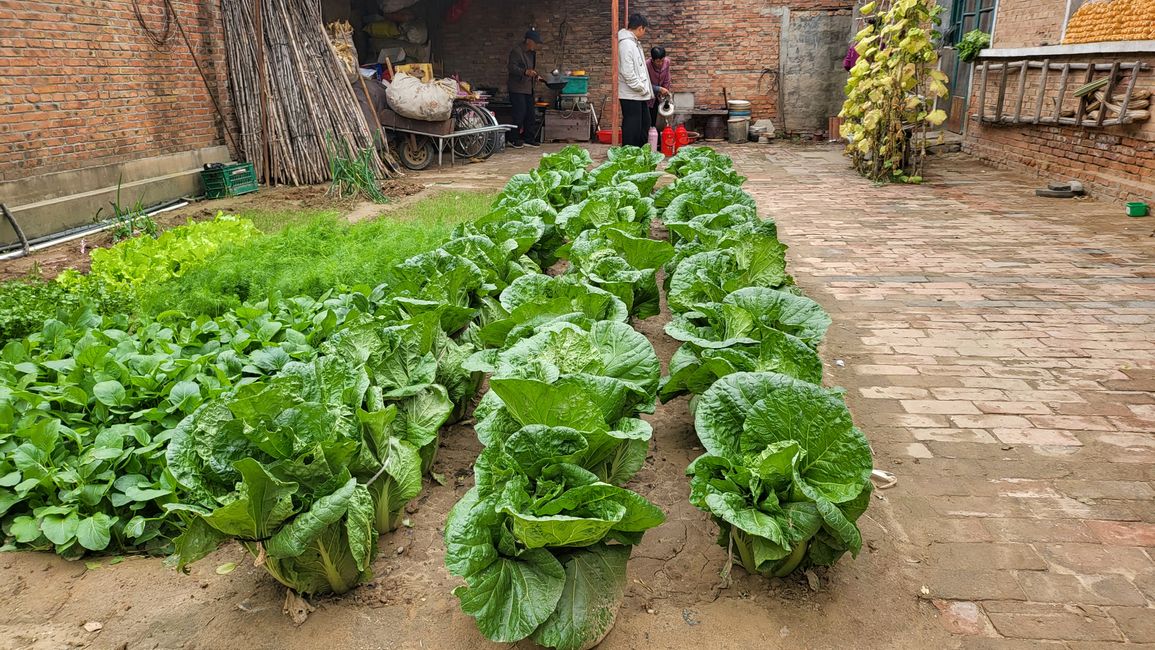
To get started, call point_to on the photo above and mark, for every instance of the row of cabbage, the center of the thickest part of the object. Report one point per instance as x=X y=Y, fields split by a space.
x=308 y=466
x=543 y=537
x=785 y=474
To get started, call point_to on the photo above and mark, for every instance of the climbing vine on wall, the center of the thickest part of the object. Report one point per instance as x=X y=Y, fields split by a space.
x=891 y=94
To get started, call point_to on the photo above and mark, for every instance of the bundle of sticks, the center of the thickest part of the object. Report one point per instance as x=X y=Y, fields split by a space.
x=311 y=112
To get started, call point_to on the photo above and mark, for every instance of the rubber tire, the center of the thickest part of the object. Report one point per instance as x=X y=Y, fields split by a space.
x=416 y=158
x=468 y=116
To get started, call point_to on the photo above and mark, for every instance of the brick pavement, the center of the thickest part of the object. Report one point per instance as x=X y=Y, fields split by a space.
x=999 y=351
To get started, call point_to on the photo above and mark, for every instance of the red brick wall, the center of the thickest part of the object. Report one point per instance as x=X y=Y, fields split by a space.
x=84 y=86
x=713 y=44
x=1029 y=23
x=1116 y=162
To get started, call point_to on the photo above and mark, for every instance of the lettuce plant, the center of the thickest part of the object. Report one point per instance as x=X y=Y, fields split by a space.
x=542 y=544
x=757 y=260
x=786 y=473
x=622 y=264
x=634 y=165
x=534 y=301
x=623 y=206
x=307 y=467
x=689 y=160
x=589 y=383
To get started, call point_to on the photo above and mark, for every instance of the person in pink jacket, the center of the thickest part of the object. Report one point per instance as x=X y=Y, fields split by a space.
x=852 y=53
x=659 y=68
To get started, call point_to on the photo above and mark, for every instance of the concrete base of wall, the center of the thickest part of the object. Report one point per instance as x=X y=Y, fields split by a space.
x=48 y=204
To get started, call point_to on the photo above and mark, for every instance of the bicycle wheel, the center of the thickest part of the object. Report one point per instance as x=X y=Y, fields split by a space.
x=495 y=140
x=465 y=117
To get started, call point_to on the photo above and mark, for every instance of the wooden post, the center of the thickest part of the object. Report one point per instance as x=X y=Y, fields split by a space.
x=1062 y=92
x=1082 y=109
x=1130 y=90
x=983 y=92
x=1042 y=91
x=1022 y=92
x=1107 y=96
x=1002 y=93
x=262 y=93
x=615 y=109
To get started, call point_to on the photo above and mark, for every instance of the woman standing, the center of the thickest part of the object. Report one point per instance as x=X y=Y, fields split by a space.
x=659 y=68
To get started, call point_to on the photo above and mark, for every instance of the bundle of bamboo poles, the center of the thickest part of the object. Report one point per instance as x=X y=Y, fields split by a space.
x=310 y=110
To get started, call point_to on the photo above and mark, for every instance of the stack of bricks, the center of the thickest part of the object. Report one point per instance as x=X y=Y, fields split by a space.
x=713 y=45
x=84 y=85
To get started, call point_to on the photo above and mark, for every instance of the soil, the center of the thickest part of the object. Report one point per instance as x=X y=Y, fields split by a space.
x=676 y=597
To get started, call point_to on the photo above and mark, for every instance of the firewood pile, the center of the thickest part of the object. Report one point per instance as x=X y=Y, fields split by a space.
x=310 y=108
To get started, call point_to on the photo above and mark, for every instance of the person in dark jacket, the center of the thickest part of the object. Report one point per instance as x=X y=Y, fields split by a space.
x=522 y=76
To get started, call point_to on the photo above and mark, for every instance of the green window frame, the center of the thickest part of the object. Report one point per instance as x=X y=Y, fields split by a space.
x=968 y=15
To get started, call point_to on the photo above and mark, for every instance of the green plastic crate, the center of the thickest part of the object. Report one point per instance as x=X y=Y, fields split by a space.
x=230 y=180
x=576 y=86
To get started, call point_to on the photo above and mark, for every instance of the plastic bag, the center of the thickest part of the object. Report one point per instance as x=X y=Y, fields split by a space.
x=428 y=102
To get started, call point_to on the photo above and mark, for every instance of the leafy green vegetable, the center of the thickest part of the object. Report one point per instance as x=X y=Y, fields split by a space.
x=321 y=254
x=785 y=474
x=86 y=409
x=308 y=466
x=695 y=367
x=758 y=260
x=622 y=264
x=537 y=542
x=623 y=206
x=534 y=301
x=747 y=315
x=144 y=260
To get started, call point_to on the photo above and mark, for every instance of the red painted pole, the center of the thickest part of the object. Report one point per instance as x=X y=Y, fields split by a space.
x=614 y=107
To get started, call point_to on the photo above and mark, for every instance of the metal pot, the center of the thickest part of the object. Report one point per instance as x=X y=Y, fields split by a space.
x=666 y=107
x=554 y=81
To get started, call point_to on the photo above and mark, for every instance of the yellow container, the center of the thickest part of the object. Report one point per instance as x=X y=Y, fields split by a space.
x=423 y=71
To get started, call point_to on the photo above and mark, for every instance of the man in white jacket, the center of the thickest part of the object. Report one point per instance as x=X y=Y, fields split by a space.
x=634 y=88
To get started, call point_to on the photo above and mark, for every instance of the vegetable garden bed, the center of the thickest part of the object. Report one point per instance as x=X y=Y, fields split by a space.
x=312 y=447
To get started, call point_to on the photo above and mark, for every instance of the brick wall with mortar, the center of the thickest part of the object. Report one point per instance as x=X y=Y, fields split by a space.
x=1029 y=23
x=1115 y=162
x=84 y=86
x=713 y=44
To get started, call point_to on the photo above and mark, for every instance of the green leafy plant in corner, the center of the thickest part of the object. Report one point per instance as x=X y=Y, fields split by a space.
x=130 y=221
x=971 y=44
x=354 y=174
x=892 y=90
